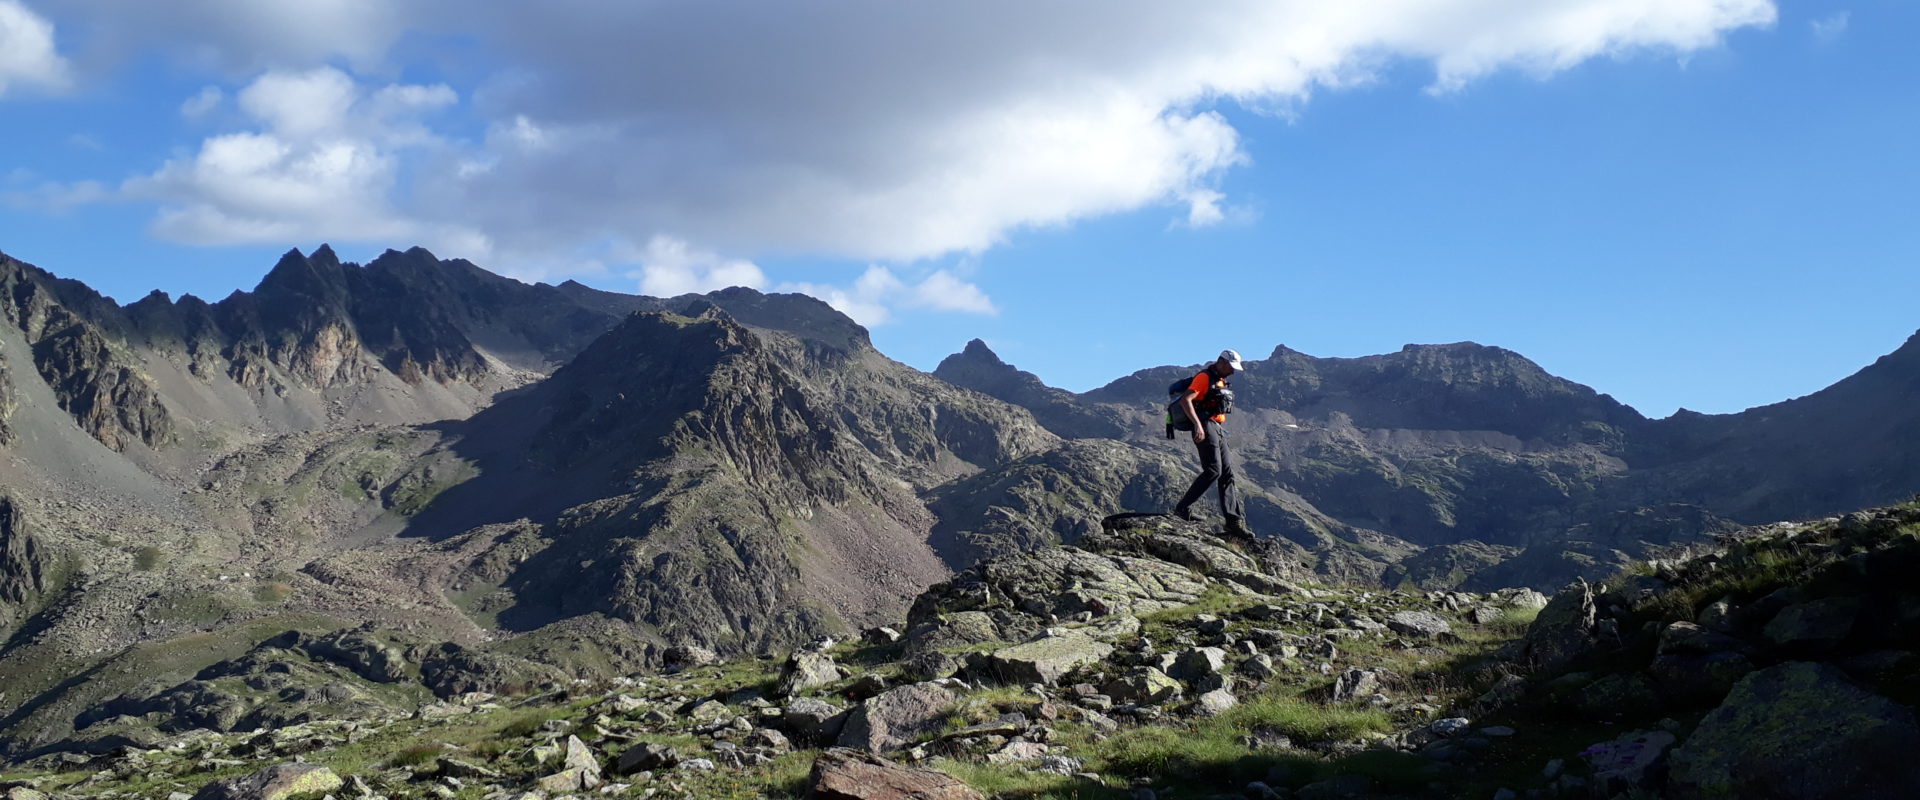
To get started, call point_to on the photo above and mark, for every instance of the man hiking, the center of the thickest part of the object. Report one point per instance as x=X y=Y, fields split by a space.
x=1204 y=405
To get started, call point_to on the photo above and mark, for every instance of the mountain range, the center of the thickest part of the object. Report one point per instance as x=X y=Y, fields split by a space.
x=556 y=478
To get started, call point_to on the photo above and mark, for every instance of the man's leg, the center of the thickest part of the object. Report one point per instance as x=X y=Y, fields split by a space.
x=1230 y=505
x=1209 y=472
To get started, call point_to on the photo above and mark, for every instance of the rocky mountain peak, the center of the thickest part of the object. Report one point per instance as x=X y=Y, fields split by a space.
x=316 y=277
x=978 y=349
x=978 y=368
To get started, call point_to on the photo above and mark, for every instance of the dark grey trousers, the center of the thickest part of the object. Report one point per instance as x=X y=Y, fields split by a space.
x=1216 y=467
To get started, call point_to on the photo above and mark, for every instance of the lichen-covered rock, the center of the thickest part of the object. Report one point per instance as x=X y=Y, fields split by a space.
x=1564 y=631
x=813 y=720
x=1199 y=666
x=1047 y=659
x=897 y=717
x=1803 y=731
x=1419 y=624
x=1814 y=626
x=1355 y=684
x=273 y=783
x=1695 y=665
x=1143 y=686
x=845 y=774
x=1214 y=703
x=367 y=656
x=806 y=670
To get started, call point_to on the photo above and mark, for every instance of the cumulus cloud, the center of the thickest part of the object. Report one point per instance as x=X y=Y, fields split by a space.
x=869 y=129
x=1829 y=29
x=670 y=267
x=27 y=53
x=323 y=162
x=876 y=296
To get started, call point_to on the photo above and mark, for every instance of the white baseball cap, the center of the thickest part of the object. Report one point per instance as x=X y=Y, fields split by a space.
x=1232 y=358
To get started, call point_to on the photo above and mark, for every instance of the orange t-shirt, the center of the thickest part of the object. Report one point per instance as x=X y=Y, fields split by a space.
x=1200 y=385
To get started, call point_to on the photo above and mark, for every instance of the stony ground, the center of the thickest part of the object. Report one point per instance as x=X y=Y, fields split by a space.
x=1156 y=661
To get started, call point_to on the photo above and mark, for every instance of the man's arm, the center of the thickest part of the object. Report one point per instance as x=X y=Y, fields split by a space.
x=1186 y=406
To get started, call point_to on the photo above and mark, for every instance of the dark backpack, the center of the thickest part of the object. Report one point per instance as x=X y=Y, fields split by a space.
x=1219 y=400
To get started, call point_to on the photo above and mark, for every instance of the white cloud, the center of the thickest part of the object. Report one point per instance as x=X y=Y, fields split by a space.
x=941 y=291
x=875 y=296
x=1829 y=29
x=880 y=131
x=53 y=197
x=323 y=163
x=203 y=103
x=670 y=267
x=27 y=53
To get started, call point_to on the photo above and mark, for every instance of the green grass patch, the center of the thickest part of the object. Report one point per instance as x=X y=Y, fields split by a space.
x=148 y=558
x=416 y=755
x=1017 y=782
x=273 y=592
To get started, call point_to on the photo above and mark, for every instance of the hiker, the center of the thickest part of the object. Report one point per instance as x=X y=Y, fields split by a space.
x=1203 y=405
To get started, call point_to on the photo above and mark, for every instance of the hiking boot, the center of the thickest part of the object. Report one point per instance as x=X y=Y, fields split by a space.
x=1236 y=529
x=1183 y=514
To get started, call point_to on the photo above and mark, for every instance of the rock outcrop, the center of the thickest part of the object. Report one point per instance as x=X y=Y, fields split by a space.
x=25 y=568
x=843 y=774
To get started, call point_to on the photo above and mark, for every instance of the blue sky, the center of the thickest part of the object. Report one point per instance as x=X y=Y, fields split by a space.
x=1698 y=203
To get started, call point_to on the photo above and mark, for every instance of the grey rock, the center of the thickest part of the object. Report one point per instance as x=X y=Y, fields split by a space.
x=1355 y=684
x=1633 y=763
x=897 y=717
x=1803 y=731
x=846 y=774
x=646 y=757
x=1216 y=702
x=1258 y=667
x=1199 y=663
x=1421 y=624
x=1145 y=686
x=1048 y=659
x=812 y=720
x=806 y=670
x=1814 y=626
x=1565 y=630
x=273 y=783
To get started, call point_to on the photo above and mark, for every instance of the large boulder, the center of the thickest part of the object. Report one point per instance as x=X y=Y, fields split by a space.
x=1697 y=665
x=1800 y=731
x=647 y=756
x=1354 y=684
x=807 y=669
x=813 y=720
x=1633 y=764
x=1564 y=631
x=1143 y=686
x=1814 y=626
x=897 y=717
x=273 y=783
x=1047 y=659
x=1197 y=665
x=844 y=774
x=1418 y=624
